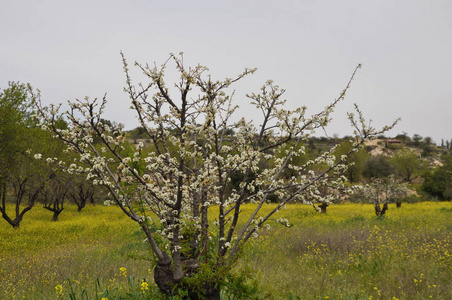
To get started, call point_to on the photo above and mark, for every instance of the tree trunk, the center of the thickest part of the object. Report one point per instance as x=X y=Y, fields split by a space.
x=19 y=216
x=164 y=278
x=377 y=209
x=385 y=208
x=399 y=204
x=323 y=207
x=56 y=214
x=16 y=224
x=380 y=212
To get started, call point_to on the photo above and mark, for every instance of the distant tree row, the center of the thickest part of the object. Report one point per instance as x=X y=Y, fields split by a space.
x=405 y=163
x=416 y=165
x=28 y=155
x=26 y=178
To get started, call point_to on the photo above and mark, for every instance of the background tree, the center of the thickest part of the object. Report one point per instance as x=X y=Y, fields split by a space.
x=21 y=189
x=172 y=191
x=136 y=134
x=395 y=191
x=378 y=166
x=403 y=137
x=427 y=148
x=15 y=118
x=375 y=194
x=417 y=139
x=23 y=146
x=355 y=162
x=82 y=192
x=21 y=177
x=408 y=164
x=55 y=193
x=438 y=182
x=382 y=191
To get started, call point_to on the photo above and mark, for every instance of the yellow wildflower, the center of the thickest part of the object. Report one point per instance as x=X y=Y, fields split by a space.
x=144 y=286
x=59 y=290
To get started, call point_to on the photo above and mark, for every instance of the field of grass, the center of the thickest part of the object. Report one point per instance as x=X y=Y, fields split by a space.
x=347 y=253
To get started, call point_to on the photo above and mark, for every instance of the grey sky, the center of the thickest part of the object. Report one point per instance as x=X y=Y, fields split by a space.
x=70 y=49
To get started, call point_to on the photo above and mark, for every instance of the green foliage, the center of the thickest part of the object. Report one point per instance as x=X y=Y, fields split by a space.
x=446 y=159
x=403 y=137
x=136 y=289
x=417 y=140
x=16 y=103
x=438 y=182
x=238 y=287
x=20 y=139
x=23 y=149
x=355 y=162
x=427 y=150
x=408 y=164
x=137 y=133
x=15 y=119
x=234 y=284
x=412 y=199
x=378 y=166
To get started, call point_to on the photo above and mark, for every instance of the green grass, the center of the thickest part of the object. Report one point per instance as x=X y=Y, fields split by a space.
x=350 y=254
x=83 y=246
x=347 y=253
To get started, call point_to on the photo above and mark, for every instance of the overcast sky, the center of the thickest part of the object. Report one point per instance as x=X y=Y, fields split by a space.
x=71 y=49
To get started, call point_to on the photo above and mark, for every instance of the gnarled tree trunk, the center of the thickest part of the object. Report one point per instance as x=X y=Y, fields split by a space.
x=164 y=278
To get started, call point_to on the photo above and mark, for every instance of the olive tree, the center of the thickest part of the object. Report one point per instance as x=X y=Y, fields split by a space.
x=206 y=163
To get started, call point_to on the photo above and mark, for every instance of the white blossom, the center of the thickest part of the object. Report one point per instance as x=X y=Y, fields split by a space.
x=203 y=157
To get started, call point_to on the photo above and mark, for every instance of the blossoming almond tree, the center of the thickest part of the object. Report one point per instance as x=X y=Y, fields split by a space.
x=382 y=191
x=203 y=166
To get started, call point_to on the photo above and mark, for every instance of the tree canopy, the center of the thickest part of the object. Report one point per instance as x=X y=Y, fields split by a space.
x=23 y=147
x=198 y=171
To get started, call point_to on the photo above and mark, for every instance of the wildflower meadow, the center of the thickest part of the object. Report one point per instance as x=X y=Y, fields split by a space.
x=347 y=253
